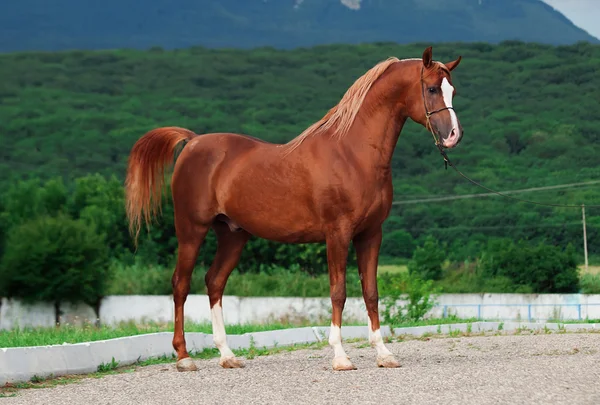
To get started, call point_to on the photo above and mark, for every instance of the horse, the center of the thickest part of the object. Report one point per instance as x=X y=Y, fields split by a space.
x=331 y=184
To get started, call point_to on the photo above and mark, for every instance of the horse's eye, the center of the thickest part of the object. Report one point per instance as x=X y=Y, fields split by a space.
x=432 y=90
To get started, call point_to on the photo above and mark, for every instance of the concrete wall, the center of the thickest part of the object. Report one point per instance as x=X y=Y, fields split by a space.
x=159 y=308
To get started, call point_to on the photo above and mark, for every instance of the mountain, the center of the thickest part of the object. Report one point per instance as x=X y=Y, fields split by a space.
x=74 y=24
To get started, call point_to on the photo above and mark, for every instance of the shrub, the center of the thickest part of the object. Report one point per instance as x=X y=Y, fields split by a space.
x=544 y=268
x=590 y=284
x=420 y=297
x=397 y=244
x=54 y=259
x=427 y=260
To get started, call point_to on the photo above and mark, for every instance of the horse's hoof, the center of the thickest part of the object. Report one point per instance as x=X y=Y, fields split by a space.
x=230 y=362
x=186 y=364
x=342 y=364
x=388 y=361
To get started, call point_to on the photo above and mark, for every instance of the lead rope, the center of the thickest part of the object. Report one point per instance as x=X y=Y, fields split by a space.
x=448 y=162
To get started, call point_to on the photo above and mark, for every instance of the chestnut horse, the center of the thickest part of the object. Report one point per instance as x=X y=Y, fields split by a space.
x=332 y=184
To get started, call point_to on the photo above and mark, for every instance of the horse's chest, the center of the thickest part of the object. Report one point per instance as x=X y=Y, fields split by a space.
x=376 y=209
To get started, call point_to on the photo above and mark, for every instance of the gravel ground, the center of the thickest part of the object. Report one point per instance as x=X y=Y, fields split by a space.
x=514 y=369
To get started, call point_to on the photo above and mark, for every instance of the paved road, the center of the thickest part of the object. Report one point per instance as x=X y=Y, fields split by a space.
x=531 y=369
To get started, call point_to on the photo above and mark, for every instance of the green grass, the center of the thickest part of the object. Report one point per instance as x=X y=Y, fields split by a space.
x=590 y=283
x=27 y=337
x=77 y=334
x=276 y=282
x=392 y=268
x=436 y=321
x=89 y=333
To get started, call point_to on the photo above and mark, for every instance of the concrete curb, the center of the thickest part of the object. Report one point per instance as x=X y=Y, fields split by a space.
x=20 y=364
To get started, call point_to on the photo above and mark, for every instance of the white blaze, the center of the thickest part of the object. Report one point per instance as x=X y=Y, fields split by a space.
x=219 y=336
x=447 y=91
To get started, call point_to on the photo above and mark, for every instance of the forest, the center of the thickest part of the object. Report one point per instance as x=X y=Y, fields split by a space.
x=529 y=111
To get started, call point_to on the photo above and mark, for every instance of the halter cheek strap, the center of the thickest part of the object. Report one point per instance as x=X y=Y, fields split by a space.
x=428 y=123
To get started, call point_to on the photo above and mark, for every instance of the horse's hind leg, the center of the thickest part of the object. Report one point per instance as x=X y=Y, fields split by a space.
x=190 y=236
x=230 y=245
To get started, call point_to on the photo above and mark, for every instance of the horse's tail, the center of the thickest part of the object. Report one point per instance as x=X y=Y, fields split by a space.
x=145 y=173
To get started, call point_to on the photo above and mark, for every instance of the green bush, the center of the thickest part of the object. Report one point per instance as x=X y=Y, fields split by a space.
x=420 y=297
x=427 y=260
x=543 y=268
x=54 y=259
x=469 y=278
x=397 y=244
x=590 y=284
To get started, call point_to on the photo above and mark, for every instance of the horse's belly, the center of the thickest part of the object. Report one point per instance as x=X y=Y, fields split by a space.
x=278 y=225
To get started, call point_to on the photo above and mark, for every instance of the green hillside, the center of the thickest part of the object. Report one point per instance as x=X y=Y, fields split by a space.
x=529 y=113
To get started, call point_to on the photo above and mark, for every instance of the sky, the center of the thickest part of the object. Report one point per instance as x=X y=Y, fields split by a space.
x=583 y=13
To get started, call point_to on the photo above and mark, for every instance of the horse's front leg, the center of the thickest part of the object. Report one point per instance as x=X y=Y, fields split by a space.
x=337 y=255
x=367 y=253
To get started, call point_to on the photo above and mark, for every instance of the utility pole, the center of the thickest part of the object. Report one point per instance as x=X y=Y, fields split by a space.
x=584 y=238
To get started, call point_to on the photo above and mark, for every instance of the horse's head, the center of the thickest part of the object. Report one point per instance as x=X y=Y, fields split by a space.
x=432 y=106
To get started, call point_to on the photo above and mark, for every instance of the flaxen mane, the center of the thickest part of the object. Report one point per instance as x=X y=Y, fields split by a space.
x=343 y=114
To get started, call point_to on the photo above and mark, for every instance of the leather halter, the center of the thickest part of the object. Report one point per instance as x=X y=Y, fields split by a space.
x=428 y=123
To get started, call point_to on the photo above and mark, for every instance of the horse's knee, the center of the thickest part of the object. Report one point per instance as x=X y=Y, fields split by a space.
x=338 y=298
x=371 y=298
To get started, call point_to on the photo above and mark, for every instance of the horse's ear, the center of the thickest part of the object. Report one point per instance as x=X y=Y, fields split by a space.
x=452 y=65
x=427 y=57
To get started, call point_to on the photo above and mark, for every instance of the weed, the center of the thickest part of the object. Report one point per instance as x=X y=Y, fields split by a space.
x=36 y=379
x=363 y=345
x=106 y=367
x=454 y=333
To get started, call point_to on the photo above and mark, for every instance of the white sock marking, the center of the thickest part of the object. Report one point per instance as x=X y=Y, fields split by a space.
x=335 y=340
x=377 y=342
x=447 y=91
x=219 y=335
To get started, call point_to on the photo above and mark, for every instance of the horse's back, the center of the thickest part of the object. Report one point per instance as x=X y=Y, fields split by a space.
x=209 y=161
x=230 y=139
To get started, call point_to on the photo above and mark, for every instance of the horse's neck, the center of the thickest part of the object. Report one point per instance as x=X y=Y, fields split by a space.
x=374 y=136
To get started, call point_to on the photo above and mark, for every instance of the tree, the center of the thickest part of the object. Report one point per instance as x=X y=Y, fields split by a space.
x=397 y=244
x=427 y=260
x=55 y=259
x=543 y=267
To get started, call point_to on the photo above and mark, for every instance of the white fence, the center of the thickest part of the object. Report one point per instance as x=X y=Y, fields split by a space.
x=159 y=308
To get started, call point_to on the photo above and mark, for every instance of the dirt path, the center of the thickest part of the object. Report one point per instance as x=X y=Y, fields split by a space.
x=530 y=369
